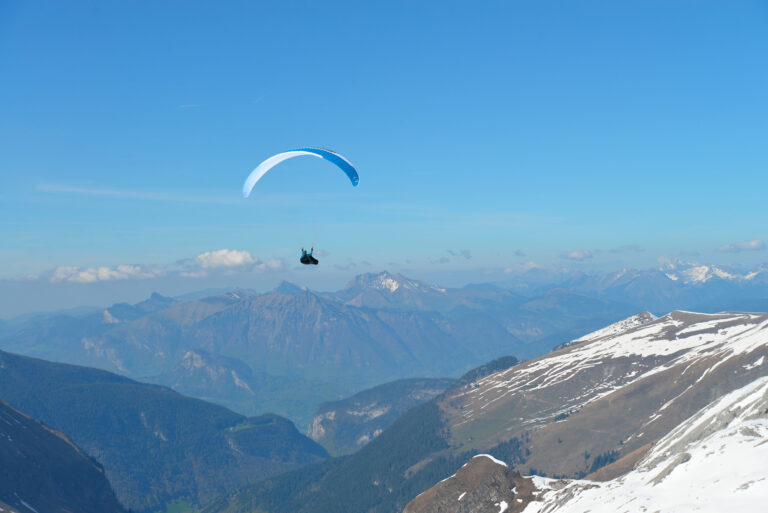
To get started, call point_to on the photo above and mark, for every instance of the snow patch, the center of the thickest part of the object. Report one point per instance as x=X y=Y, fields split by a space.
x=497 y=461
x=27 y=505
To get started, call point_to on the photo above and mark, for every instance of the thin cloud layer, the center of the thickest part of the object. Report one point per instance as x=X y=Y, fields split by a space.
x=578 y=254
x=748 y=245
x=520 y=268
x=226 y=261
x=75 y=274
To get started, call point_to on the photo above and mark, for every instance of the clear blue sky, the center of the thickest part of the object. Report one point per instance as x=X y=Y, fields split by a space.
x=531 y=127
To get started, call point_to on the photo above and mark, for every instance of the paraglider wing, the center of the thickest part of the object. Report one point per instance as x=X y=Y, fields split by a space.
x=322 y=153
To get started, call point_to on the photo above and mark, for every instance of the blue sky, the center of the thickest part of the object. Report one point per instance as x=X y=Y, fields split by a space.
x=589 y=134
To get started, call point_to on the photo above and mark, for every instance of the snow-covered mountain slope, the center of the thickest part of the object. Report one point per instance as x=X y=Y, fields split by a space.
x=613 y=329
x=714 y=461
x=613 y=392
x=619 y=327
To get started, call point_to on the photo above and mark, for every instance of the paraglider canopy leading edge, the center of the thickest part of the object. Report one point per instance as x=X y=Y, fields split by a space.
x=322 y=153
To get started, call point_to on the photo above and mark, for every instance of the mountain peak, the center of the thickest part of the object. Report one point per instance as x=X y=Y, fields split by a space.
x=621 y=326
x=387 y=281
x=288 y=288
x=484 y=483
x=691 y=273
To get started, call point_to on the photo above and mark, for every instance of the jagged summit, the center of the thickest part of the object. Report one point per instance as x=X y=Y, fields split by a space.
x=696 y=274
x=388 y=290
x=618 y=327
x=483 y=485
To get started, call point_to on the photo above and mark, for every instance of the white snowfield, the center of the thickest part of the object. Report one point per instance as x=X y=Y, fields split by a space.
x=692 y=274
x=677 y=340
x=715 y=461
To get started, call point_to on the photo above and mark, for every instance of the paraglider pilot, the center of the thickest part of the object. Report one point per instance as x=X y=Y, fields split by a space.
x=307 y=258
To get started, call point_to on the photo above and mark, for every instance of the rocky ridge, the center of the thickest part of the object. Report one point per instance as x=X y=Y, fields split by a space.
x=483 y=485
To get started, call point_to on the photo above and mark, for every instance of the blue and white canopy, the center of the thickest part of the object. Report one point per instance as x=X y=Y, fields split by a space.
x=322 y=153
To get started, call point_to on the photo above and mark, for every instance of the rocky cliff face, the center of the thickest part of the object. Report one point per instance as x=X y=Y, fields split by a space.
x=483 y=485
x=345 y=426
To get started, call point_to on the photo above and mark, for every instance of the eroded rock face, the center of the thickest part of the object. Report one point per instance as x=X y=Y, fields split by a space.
x=483 y=485
x=345 y=426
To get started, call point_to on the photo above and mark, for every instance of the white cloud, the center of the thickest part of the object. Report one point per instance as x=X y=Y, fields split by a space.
x=748 y=245
x=269 y=265
x=75 y=274
x=225 y=258
x=578 y=254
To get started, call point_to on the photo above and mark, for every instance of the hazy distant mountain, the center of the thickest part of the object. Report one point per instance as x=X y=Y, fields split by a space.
x=255 y=352
x=155 y=444
x=385 y=290
x=316 y=337
x=605 y=399
x=41 y=470
x=288 y=332
x=122 y=312
x=232 y=383
x=345 y=426
x=675 y=285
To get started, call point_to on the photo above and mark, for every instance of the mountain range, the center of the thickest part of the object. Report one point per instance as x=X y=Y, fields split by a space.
x=595 y=406
x=611 y=387
x=673 y=285
x=288 y=350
